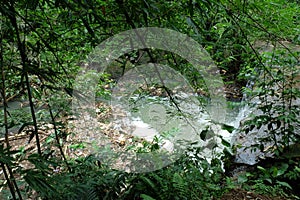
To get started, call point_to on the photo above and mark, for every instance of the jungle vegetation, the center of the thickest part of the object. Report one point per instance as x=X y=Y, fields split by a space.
x=44 y=44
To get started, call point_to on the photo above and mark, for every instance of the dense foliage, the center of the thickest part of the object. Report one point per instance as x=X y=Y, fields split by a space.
x=43 y=44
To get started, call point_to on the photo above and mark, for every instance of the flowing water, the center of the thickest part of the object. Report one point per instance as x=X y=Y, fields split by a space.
x=151 y=117
x=156 y=116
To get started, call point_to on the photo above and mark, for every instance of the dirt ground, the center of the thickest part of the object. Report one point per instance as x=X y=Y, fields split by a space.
x=240 y=194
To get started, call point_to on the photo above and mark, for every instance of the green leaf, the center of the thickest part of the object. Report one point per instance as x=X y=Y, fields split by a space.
x=146 y=197
x=242 y=178
x=262 y=169
x=269 y=180
x=203 y=134
x=148 y=182
x=228 y=128
x=285 y=184
x=297 y=169
x=275 y=172
x=225 y=143
x=282 y=169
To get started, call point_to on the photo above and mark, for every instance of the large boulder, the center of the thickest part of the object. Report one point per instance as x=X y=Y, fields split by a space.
x=256 y=142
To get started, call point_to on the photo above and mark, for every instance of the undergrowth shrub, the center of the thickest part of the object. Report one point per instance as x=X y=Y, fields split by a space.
x=88 y=178
x=275 y=123
x=276 y=97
